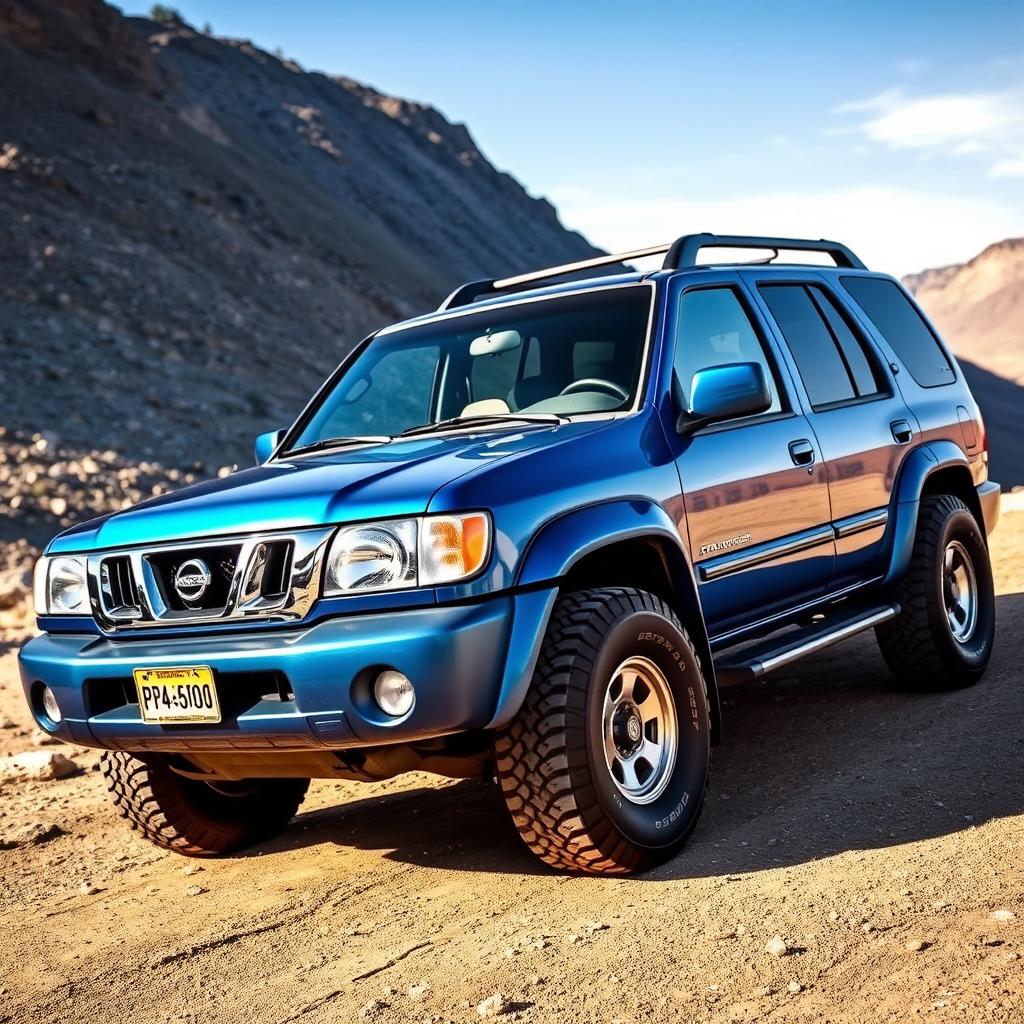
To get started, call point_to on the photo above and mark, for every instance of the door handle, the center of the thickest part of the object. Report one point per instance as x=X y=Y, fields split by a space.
x=801 y=452
x=901 y=431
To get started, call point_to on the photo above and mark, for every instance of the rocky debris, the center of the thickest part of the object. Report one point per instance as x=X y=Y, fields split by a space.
x=916 y=946
x=32 y=833
x=15 y=573
x=794 y=987
x=196 y=890
x=37 y=766
x=777 y=946
x=1003 y=915
x=494 y=1005
x=87 y=888
x=374 y=1007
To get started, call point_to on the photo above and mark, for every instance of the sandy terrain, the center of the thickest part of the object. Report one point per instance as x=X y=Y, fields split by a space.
x=876 y=833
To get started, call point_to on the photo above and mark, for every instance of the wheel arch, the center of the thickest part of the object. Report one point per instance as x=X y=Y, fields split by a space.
x=937 y=468
x=629 y=542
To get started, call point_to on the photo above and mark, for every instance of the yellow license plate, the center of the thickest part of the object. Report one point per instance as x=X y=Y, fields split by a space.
x=177 y=695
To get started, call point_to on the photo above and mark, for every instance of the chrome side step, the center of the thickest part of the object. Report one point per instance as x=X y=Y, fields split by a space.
x=776 y=652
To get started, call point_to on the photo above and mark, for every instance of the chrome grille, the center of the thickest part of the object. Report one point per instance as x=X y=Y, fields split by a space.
x=273 y=576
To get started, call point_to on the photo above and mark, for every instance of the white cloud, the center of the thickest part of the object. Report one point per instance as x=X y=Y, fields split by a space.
x=1011 y=168
x=954 y=124
x=893 y=229
x=938 y=121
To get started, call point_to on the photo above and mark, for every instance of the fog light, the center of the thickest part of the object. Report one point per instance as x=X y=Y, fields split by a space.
x=394 y=693
x=50 y=706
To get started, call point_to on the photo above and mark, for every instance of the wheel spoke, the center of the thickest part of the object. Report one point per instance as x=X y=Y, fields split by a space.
x=628 y=677
x=650 y=707
x=629 y=776
x=649 y=752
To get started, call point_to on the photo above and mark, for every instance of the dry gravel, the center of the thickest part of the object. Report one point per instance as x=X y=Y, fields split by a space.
x=859 y=860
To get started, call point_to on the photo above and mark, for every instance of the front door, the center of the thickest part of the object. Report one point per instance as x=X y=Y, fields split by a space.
x=755 y=489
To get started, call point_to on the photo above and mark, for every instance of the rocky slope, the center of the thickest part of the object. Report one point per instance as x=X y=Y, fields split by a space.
x=195 y=232
x=979 y=308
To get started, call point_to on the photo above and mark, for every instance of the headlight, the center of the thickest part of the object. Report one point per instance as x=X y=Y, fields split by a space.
x=61 y=586
x=403 y=553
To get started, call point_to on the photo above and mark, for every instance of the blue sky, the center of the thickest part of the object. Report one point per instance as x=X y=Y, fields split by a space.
x=895 y=126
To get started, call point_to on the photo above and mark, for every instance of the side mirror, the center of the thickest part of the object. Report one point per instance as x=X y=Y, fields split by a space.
x=723 y=393
x=265 y=445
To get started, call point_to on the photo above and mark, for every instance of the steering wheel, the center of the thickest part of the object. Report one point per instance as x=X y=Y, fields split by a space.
x=590 y=383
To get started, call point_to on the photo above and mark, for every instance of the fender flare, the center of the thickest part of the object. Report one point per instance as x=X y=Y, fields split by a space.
x=918 y=466
x=559 y=545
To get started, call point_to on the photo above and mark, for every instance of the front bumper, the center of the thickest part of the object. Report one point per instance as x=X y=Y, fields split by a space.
x=466 y=663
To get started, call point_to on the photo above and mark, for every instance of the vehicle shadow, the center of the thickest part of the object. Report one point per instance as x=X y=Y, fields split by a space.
x=825 y=758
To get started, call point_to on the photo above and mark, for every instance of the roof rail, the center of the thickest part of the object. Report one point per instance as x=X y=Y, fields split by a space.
x=681 y=253
x=474 y=289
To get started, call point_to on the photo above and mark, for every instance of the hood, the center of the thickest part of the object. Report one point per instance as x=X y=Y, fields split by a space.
x=378 y=482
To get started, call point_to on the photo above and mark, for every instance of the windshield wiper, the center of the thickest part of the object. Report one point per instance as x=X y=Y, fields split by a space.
x=338 y=442
x=483 y=420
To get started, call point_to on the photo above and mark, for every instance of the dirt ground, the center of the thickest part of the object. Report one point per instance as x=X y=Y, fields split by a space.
x=876 y=833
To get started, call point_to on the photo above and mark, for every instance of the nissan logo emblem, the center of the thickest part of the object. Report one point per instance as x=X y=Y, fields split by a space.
x=191 y=579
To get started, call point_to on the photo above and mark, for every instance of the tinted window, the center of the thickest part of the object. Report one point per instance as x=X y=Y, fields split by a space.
x=817 y=357
x=899 y=322
x=855 y=354
x=713 y=329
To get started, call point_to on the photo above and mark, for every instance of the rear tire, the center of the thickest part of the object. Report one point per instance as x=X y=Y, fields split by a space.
x=942 y=639
x=605 y=767
x=194 y=818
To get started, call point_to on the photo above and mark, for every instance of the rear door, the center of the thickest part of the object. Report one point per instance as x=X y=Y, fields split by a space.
x=754 y=489
x=860 y=420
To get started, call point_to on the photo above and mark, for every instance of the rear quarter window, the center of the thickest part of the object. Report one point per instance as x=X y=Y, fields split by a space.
x=899 y=322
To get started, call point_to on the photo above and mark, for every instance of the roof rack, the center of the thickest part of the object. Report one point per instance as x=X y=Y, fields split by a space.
x=681 y=253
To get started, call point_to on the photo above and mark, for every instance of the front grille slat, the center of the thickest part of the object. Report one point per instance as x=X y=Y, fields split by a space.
x=117 y=588
x=273 y=576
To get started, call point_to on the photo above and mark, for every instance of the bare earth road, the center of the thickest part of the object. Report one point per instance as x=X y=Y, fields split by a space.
x=873 y=831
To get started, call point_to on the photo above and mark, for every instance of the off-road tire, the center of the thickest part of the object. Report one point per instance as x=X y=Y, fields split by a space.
x=918 y=645
x=189 y=816
x=550 y=764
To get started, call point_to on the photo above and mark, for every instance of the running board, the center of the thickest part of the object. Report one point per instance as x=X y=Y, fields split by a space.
x=776 y=652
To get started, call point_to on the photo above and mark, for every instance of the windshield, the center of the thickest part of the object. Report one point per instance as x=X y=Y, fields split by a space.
x=566 y=356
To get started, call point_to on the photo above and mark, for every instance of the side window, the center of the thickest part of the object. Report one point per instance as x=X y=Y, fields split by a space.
x=713 y=329
x=859 y=362
x=834 y=361
x=902 y=326
x=817 y=356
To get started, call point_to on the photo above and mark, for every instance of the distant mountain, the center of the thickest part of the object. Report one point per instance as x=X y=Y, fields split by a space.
x=195 y=230
x=979 y=308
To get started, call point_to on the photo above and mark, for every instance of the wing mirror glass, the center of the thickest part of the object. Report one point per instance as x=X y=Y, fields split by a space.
x=724 y=393
x=265 y=445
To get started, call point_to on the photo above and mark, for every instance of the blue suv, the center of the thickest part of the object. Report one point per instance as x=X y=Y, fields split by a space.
x=528 y=536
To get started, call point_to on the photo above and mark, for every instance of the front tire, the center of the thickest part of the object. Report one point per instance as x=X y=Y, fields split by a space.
x=605 y=767
x=195 y=818
x=942 y=639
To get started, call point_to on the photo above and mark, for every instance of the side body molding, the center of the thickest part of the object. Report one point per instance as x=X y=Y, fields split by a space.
x=563 y=542
x=919 y=464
